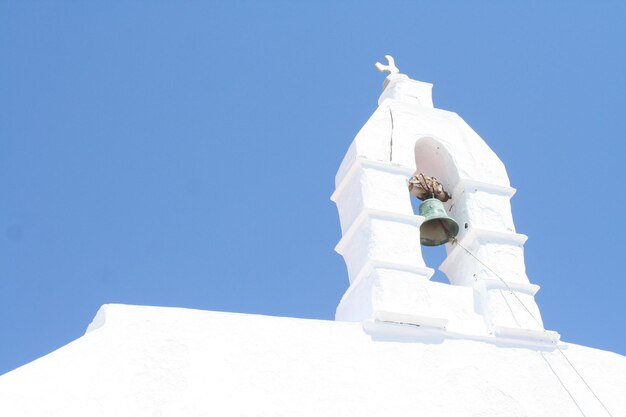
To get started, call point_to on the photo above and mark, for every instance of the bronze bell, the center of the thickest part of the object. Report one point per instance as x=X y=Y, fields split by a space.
x=438 y=228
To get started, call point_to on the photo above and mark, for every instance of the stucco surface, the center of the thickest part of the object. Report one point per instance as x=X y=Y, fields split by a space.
x=155 y=361
x=406 y=135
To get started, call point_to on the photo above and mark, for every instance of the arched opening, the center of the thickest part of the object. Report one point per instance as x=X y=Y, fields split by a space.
x=433 y=159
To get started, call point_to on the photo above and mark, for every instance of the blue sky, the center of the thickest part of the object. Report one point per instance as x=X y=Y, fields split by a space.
x=183 y=153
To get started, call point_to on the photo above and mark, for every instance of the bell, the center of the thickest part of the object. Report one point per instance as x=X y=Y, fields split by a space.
x=438 y=228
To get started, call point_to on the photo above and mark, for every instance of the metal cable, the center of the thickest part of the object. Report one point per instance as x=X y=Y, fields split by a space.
x=456 y=241
x=562 y=384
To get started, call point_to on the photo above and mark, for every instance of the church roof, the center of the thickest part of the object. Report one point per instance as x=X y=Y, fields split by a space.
x=155 y=361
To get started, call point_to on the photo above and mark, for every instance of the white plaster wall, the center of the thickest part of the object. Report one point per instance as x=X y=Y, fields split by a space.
x=473 y=159
x=482 y=209
x=386 y=191
x=404 y=135
x=383 y=240
x=349 y=200
x=151 y=361
x=401 y=87
x=503 y=308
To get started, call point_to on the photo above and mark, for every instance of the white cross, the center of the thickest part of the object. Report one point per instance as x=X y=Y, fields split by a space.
x=391 y=66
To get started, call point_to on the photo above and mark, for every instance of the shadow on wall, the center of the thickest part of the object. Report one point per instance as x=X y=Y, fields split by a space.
x=402 y=333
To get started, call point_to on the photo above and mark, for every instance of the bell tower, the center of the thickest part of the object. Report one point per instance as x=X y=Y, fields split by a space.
x=489 y=294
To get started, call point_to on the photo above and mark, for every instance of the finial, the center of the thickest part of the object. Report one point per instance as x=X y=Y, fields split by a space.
x=391 y=66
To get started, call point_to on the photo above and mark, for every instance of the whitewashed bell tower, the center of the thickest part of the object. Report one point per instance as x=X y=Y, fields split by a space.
x=489 y=294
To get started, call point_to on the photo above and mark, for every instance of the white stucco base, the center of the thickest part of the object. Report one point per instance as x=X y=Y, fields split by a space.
x=152 y=361
x=490 y=294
